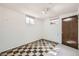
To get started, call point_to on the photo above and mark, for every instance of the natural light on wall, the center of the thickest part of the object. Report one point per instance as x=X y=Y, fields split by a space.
x=29 y=20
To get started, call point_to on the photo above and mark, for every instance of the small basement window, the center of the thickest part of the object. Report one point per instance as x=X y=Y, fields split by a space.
x=29 y=20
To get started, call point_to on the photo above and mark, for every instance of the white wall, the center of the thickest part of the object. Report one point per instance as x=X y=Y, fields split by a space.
x=14 y=31
x=53 y=32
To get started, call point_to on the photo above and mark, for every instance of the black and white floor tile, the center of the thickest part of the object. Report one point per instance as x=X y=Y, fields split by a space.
x=36 y=48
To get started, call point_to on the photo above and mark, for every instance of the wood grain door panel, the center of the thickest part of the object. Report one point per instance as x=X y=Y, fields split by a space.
x=70 y=31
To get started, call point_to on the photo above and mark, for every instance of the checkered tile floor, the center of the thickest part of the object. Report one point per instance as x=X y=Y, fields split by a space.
x=36 y=48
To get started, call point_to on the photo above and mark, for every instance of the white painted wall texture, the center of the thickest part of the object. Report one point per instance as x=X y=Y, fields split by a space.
x=15 y=32
x=53 y=32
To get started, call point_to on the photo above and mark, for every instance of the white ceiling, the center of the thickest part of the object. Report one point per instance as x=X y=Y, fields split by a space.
x=35 y=9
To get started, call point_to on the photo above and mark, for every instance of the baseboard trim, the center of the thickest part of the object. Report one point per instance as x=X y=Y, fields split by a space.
x=27 y=44
x=17 y=46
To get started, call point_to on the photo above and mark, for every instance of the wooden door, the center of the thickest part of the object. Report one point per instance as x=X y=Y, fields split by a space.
x=70 y=31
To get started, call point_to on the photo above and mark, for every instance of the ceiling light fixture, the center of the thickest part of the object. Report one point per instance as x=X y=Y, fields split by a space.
x=45 y=11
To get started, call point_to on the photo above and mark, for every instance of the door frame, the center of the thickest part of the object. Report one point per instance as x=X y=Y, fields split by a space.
x=62 y=27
